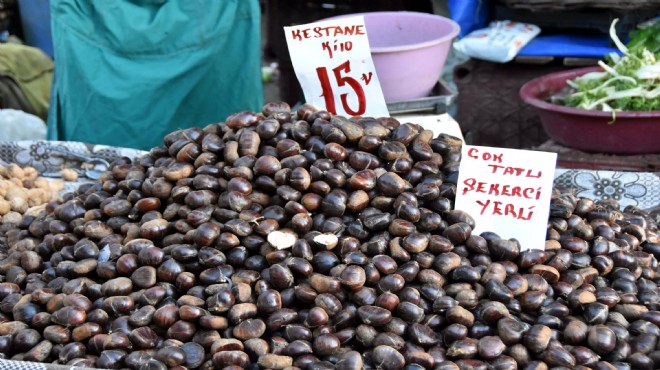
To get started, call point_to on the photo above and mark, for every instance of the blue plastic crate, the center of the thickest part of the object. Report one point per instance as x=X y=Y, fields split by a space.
x=35 y=19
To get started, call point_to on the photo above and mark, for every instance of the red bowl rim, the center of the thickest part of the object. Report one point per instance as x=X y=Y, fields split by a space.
x=527 y=94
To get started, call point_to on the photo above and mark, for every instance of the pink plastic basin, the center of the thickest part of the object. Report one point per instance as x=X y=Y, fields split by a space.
x=590 y=130
x=409 y=50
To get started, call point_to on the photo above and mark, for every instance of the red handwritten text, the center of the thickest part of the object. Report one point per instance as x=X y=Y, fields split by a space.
x=516 y=171
x=500 y=190
x=506 y=209
x=330 y=31
x=474 y=153
x=332 y=47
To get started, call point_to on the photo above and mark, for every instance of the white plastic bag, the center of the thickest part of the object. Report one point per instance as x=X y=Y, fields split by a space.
x=500 y=42
x=17 y=125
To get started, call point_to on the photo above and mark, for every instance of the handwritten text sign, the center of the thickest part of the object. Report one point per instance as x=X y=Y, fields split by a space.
x=334 y=67
x=507 y=191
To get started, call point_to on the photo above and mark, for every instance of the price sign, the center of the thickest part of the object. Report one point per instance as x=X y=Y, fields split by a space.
x=333 y=64
x=507 y=191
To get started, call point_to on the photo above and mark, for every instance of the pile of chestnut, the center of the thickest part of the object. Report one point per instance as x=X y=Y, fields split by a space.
x=302 y=240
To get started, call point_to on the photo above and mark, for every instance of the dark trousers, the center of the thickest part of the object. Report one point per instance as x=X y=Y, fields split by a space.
x=12 y=97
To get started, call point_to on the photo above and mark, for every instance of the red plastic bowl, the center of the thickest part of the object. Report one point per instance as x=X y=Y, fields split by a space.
x=631 y=132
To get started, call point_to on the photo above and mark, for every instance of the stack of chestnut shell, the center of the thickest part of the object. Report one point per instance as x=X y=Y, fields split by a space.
x=300 y=240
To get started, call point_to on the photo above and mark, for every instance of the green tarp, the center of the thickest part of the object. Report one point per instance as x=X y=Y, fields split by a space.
x=127 y=72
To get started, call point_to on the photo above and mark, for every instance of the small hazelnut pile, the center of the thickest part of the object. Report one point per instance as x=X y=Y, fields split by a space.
x=24 y=192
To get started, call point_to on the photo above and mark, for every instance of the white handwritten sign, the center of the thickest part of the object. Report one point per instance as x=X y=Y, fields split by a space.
x=507 y=191
x=333 y=64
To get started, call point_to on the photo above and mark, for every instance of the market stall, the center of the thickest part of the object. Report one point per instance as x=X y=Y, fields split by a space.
x=281 y=238
x=305 y=238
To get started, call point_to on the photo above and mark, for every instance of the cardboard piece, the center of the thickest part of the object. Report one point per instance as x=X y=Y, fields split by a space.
x=438 y=123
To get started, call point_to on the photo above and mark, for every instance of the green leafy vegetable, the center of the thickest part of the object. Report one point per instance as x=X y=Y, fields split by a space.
x=647 y=37
x=629 y=82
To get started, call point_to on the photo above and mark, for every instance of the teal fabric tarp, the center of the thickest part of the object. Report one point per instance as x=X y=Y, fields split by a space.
x=127 y=72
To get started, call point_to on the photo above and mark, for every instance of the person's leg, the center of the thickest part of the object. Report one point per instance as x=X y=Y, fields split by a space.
x=12 y=97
